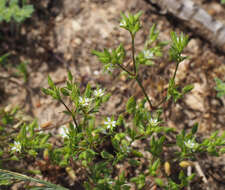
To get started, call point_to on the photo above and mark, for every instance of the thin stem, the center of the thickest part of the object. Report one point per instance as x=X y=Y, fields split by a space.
x=124 y=69
x=175 y=72
x=143 y=90
x=174 y=75
x=161 y=102
x=133 y=54
x=74 y=119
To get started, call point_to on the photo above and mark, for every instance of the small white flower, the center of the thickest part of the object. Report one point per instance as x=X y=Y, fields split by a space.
x=123 y=23
x=148 y=54
x=63 y=131
x=99 y=93
x=16 y=147
x=109 y=68
x=190 y=144
x=125 y=149
x=109 y=123
x=153 y=121
x=84 y=101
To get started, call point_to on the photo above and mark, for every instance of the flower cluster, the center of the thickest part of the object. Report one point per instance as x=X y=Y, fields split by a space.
x=99 y=93
x=191 y=144
x=16 y=147
x=148 y=54
x=84 y=101
x=63 y=131
x=153 y=122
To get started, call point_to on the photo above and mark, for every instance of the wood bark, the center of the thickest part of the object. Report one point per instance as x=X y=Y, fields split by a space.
x=195 y=18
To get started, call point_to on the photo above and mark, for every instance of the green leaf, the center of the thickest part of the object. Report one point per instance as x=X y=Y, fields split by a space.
x=51 y=83
x=194 y=128
x=64 y=91
x=187 y=88
x=153 y=34
x=153 y=167
x=23 y=70
x=131 y=105
x=137 y=153
x=139 y=181
x=177 y=46
x=134 y=162
x=159 y=182
x=131 y=22
x=106 y=155
x=4 y=57
x=103 y=57
x=70 y=76
x=220 y=87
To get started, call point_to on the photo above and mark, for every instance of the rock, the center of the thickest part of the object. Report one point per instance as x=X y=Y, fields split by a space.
x=195 y=99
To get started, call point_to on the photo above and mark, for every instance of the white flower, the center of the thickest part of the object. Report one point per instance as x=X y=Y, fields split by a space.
x=109 y=123
x=190 y=144
x=16 y=147
x=84 y=101
x=63 y=131
x=123 y=23
x=109 y=68
x=148 y=54
x=153 y=121
x=99 y=93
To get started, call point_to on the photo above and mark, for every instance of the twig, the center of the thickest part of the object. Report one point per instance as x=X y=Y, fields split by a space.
x=68 y=109
x=124 y=69
x=201 y=174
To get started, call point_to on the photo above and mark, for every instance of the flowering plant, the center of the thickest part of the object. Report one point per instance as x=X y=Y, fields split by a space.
x=100 y=147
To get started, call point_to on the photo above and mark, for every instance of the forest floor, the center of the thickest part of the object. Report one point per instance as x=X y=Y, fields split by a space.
x=61 y=35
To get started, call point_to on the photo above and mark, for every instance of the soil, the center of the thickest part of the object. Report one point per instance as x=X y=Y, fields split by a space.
x=61 y=35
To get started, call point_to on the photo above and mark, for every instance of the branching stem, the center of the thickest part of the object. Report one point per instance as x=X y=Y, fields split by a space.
x=143 y=90
x=124 y=69
x=68 y=109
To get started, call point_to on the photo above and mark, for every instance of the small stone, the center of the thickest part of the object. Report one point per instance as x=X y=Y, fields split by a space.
x=195 y=99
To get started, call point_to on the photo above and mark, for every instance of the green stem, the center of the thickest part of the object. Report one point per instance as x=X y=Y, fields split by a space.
x=133 y=54
x=175 y=72
x=74 y=119
x=143 y=90
x=174 y=75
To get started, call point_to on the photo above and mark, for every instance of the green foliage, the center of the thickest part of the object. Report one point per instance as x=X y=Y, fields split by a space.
x=101 y=145
x=12 y=11
x=3 y=58
x=220 y=87
x=131 y=22
x=222 y=1
x=177 y=46
x=22 y=68
x=111 y=59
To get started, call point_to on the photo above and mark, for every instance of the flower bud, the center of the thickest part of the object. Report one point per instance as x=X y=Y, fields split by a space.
x=167 y=168
x=185 y=164
x=46 y=154
x=71 y=173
